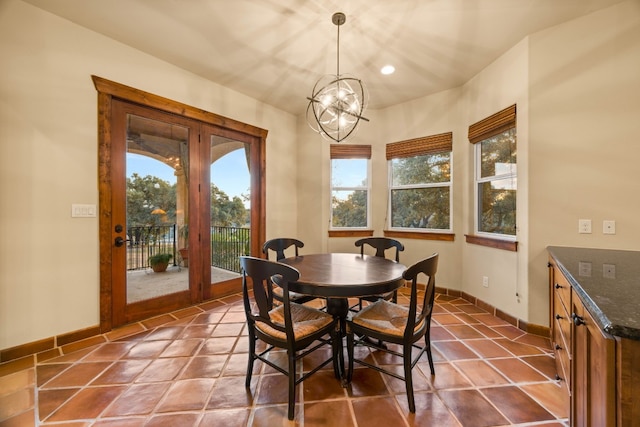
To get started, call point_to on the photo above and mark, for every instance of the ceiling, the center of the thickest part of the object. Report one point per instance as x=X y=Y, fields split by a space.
x=275 y=50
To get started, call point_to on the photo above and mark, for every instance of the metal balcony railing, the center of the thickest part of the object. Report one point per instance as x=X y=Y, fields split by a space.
x=145 y=241
x=227 y=244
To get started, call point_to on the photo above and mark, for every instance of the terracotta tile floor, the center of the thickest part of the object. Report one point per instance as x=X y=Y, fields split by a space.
x=189 y=371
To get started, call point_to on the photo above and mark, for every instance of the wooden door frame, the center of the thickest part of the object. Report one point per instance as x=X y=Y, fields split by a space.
x=109 y=90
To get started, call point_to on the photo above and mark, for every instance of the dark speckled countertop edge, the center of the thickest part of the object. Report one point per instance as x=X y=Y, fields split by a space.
x=601 y=319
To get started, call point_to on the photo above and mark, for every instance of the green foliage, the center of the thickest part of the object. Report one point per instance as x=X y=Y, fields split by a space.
x=161 y=258
x=497 y=151
x=421 y=208
x=225 y=211
x=427 y=169
x=144 y=194
x=497 y=197
x=415 y=201
x=351 y=211
x=497 y=210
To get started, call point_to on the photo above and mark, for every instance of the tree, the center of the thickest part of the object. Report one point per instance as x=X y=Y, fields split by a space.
x=144 y=195
x=225 y=211
x=424 y=206
x=350 y=212
x=497 y=197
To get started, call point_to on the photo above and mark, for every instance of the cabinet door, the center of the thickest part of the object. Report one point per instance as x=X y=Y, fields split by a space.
x=593 y=371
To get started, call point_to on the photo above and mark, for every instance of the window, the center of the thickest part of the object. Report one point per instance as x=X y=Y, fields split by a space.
x=420 y=183
x=350 y=169
x=495 y=173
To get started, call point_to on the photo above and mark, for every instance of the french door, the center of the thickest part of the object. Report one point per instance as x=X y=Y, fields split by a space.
x=156 y=199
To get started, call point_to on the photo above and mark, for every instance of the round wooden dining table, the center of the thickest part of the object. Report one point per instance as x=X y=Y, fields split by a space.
x=339 y=276
x=345 y=275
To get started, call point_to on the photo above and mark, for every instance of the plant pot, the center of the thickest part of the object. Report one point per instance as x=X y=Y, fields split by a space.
x=184 y=254
x=160 y=267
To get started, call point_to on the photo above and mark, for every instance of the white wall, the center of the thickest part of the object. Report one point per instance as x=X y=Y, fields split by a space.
x=49 y=281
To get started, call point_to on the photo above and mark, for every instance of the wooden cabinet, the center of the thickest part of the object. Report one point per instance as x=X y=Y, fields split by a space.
x=601 y=372
x=593 y=397
x=560 y=298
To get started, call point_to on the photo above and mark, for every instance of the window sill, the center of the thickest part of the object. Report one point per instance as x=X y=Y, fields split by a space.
x=445 y=237
x=506 y=245
x=351 y=233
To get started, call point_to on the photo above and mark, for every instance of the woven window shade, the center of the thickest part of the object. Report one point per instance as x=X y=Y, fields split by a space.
x=493 y=125
x=345 y=151
x=420 y=146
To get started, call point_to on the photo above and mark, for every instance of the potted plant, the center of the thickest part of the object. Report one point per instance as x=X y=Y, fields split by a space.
x=183 y=233
x=159 y=262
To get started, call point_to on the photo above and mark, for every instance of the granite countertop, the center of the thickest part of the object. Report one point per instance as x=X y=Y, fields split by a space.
x=608 y=283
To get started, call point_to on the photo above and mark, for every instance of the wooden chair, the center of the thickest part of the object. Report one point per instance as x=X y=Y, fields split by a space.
x=399 y=325
x=295 y=327
x=279 y=246
x=380 y=244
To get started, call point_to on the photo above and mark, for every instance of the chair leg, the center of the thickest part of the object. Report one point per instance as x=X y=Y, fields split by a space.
x=350 y=345
x=336 y=347
x=427 y=343
x=292 y=385
x=252 y=352
x=408 y=379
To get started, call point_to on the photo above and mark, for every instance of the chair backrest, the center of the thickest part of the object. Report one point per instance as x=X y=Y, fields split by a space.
x=261 y=272
x=279 y=245
x=381 y=244
x=427 y=267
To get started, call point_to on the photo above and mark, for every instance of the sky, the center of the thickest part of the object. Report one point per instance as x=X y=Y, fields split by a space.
x=229 y=173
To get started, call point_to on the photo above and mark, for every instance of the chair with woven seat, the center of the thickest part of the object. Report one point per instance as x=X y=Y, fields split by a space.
x=380 y=244
x=397 y=324
x=279 y=246
x=295 y=327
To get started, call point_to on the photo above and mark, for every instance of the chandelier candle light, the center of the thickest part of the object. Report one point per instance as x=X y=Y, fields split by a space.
x=337 y=102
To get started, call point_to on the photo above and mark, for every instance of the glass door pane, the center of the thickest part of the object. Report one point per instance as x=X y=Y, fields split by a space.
x=230 y=207
x=157 y=177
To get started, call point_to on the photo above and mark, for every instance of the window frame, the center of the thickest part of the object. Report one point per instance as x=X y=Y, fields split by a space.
x=479 y=132
x=350 y=152
x=428 y=145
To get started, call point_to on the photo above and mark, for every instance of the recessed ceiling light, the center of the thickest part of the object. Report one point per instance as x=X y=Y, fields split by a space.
x=388 y=69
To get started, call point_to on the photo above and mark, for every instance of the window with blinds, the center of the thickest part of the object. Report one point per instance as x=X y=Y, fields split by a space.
x=350 y=186
x=496 y=173
x=420 y=183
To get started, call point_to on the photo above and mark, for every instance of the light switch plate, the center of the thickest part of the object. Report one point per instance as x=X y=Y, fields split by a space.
x=83 y=211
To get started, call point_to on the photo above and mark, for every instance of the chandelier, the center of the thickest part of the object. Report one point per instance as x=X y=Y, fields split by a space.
x=337 y=101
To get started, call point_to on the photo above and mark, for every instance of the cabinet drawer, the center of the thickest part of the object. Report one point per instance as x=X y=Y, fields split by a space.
x=562 y=322
x=562 y=288
x=562 y=352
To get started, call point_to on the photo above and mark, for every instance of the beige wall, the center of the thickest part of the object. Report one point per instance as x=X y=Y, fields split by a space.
x=577 y=91
x=578 y=96
x=584 y=137
x=49 y=280
x=501 y=84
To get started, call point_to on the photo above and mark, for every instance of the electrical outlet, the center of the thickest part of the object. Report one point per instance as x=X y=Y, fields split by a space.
x=485 y=281
x=608 y=227
x=609 y=271
x=584 y=226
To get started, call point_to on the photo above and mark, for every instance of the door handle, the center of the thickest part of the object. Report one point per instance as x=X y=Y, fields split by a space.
x=119 y=241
